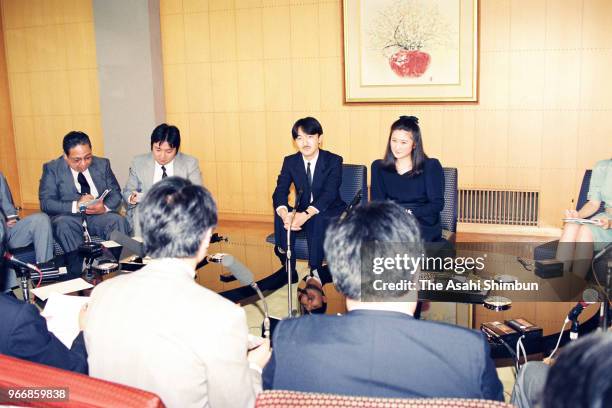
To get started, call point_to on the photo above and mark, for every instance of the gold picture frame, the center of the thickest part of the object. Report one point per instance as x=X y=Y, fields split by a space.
x=410 y=50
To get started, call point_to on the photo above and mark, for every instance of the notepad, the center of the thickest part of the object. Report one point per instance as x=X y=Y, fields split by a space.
x=97 y=200
x=580 y=221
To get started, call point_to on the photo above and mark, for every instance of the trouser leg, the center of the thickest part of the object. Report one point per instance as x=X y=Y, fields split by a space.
x=35 y=229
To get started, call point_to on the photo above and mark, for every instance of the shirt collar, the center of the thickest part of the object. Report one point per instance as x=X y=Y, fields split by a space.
x=75 y=173
x=175 y=264
x=168 y=166
x=312 y=162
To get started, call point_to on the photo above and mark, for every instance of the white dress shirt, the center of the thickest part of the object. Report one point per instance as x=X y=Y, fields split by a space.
x=313 y=164
x=157 y=175
x=92 y=186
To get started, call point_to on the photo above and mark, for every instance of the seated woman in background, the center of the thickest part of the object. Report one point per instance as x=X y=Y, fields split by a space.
x=590 y=237
x=411 y=179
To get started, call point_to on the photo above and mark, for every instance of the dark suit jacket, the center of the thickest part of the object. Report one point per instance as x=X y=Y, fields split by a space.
x=380 y=354
x=24 y=334
x=57 y=191
x=326 y=182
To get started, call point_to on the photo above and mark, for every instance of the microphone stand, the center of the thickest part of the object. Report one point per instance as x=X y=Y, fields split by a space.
x=604 y=312
x=24 y=278
x=290 y=312
x=89 y=249
x=351 y=206
x=266 y=321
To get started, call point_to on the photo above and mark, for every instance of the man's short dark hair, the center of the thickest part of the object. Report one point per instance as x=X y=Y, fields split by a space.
x=174 y=218
x=387 y=226
x=166 y=133
x=75 y=138
x=581 y=375
x=309 y=125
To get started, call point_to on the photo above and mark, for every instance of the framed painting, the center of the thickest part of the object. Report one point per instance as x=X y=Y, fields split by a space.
x=410 y=50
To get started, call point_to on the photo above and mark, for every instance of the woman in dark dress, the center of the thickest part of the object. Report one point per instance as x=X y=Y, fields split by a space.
x=407 y=176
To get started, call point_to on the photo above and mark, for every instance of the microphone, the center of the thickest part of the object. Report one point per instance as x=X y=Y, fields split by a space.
x=128 y=243
x=576 y=310
x=245 y=276
x=214 y=238
x=20 y=264
x=240 y=272
x=298 y=198
x=589 y=296
x=350 y=207
x=602 y=252
x=572 y=316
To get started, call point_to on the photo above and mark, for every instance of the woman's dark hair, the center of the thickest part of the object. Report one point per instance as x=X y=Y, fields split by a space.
x=166 y=133
x=581 y=375
x=75 y=138
x=409 y=124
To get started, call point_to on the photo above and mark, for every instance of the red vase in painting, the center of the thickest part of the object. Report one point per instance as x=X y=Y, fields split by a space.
x=411 y=64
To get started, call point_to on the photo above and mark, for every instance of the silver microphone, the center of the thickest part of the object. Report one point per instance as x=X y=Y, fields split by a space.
x=245 y=276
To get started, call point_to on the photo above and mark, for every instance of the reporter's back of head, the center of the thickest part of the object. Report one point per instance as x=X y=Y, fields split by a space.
x=175 y=216
x=581 y=377
x=377 y=230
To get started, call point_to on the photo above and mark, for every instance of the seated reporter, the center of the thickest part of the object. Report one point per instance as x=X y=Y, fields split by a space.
x=24 y=333
x=580 y=377
x=71 y=180
x=378 y=349
x=578 y=242
x=164 y=160
x=159 y=330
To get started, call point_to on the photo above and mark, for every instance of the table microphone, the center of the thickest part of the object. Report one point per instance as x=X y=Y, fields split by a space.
x=19 y=263
x=352 y=205
x=245 y=276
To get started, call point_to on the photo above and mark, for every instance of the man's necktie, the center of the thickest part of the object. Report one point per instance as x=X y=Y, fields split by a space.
x=309 y=175
x=85 y=189
x=164 y=174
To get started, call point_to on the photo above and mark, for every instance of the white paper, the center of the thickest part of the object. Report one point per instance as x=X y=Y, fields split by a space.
x=110 y=244
x=68 y=286
x=62 y=315
x=580 y=221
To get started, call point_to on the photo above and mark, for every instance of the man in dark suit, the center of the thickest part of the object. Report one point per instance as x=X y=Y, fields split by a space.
x=317 y=174
x=67 y=184
x=378 y=349
x=24 y=334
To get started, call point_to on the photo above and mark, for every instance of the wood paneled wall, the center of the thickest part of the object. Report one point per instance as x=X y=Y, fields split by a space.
x=8 y=161
x=53 y=83
x=239 y=73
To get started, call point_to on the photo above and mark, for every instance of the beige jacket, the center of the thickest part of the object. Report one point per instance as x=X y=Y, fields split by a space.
x=158 y=330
